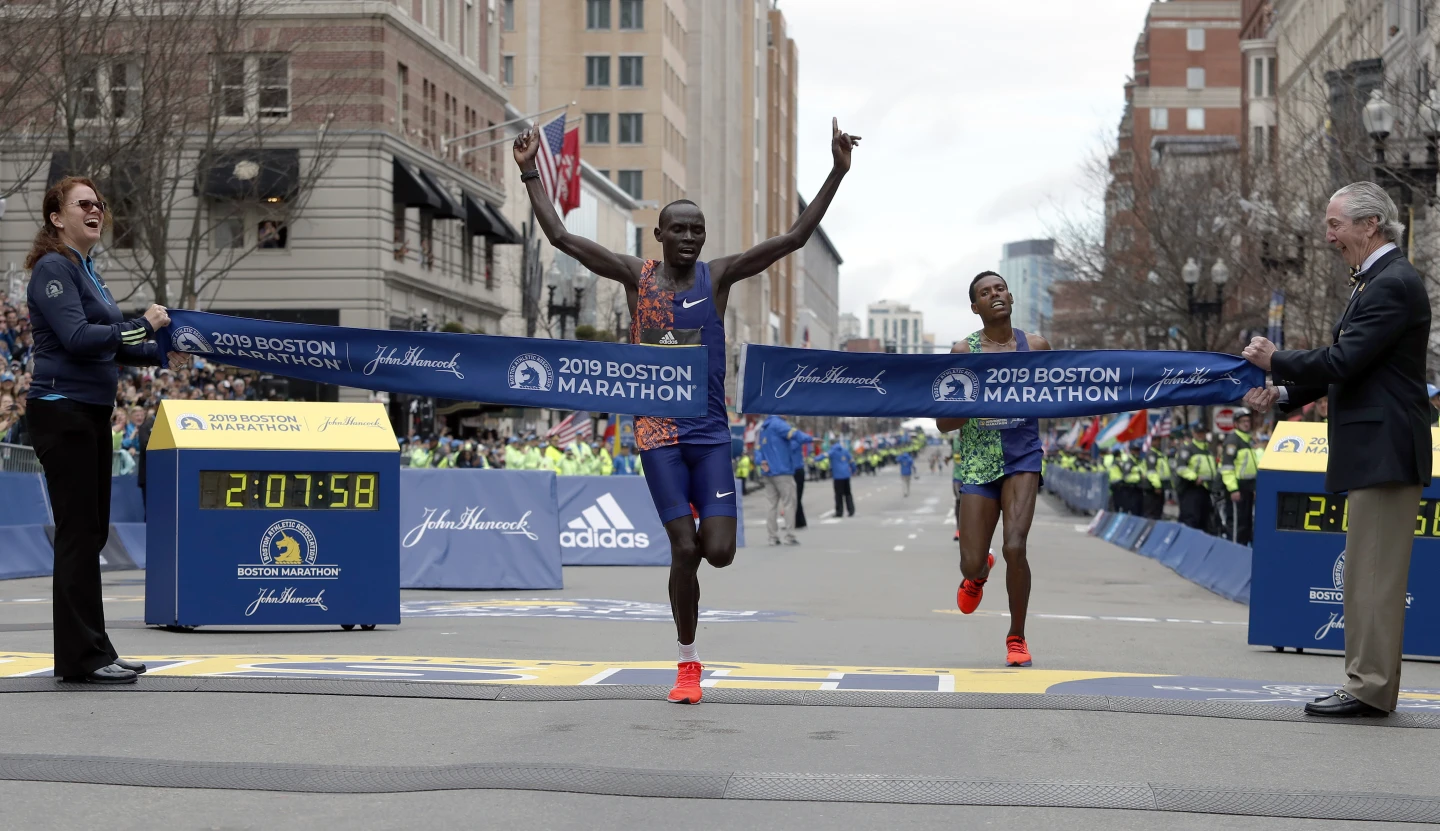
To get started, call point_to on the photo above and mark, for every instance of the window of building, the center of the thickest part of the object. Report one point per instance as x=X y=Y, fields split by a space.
x=597 y=128
x=597 y=14
x=108 y=89
x=1257 y=78
x=632 y=14
x=252 y=86
x=597 y=70
x=271 y=234
x=632 y=70
x=229 y=228
x=1195 y=77
x=489 y=263
x=507 y=70
x=402 y=97
x=639 y=242
x=507 y=15
x=1159 y=118
x=1195 y=118
x=467 y=257
x=427 y=239
x=1195 y=40
x=1257 y=143
x=402 y=246
x=603 y=171
x=632 y=128
x=633 y=183
x=1421 y=16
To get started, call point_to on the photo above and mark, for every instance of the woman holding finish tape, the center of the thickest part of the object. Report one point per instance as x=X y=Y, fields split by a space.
x=80 y=338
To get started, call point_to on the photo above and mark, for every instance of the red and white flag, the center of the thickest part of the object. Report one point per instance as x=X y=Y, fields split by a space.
x=559 y=164
x=575 y=426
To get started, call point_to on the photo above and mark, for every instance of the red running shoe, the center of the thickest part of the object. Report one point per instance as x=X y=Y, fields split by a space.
x=970 y=592
x=1017 y=653
x=687 y=683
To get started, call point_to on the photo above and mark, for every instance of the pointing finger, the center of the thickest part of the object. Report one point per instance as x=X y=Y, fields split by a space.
x=834 y=126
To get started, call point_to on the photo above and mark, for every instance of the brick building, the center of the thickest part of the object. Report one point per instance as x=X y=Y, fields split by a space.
x=337 y=200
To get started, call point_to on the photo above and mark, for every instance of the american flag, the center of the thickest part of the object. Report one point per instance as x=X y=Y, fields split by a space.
x=1163 y=426
x=552 y=142
x=577 y=425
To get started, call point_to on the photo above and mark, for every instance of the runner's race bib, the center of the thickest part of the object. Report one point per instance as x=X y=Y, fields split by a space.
x=998 y=423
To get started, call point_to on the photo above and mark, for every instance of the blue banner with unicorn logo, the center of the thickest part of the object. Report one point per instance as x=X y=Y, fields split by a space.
x=1044 y=384
x=518 y=372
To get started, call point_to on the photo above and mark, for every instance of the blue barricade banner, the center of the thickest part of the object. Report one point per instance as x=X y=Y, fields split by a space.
x=610 y=521
x=23 y=500
x=479 y=529
x=25 y=551
x=518 y=372
x=1082 y=490
x=1049 y=384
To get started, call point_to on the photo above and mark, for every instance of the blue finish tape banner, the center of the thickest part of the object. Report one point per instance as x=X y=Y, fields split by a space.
x=479 y=529
x=1050 y=384
x=518 y=372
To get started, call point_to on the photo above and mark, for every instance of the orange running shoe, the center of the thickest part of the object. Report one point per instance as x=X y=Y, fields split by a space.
x=970 y=592
x=1017 y=653
x=687 y=683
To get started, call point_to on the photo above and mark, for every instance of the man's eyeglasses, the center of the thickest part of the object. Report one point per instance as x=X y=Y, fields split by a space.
x=87 y=205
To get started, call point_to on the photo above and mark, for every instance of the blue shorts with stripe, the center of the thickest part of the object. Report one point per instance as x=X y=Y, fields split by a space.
x=681 y=475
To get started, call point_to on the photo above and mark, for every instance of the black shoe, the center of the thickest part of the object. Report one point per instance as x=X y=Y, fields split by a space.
x=1343 y=705
x=790 y=540
x=134 y=666
x=109 y=674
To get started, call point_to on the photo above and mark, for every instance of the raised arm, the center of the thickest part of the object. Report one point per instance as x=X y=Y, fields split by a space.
x=727 y=271
x=591 y=254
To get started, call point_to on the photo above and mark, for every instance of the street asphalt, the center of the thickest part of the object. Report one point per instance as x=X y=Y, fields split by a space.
x=861 y=599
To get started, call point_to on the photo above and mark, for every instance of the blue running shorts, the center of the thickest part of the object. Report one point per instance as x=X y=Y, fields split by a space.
x=680 y=475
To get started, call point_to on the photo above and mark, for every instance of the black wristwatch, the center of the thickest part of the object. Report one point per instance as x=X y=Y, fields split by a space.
x=529 y=174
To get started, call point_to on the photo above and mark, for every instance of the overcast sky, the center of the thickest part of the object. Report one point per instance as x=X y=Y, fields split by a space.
x=976 y=118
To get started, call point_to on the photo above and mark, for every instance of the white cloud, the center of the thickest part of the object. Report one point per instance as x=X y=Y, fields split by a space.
x=976 y=118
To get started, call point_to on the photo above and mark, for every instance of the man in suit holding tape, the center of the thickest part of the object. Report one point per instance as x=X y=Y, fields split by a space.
x=1379 y=434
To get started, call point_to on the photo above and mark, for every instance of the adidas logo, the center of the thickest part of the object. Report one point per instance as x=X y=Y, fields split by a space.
x=603 y=525
x=669 y=339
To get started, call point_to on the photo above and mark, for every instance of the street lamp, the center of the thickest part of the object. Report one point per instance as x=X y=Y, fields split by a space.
x=1407 y=179
x=565 y=310
x=1203 y=310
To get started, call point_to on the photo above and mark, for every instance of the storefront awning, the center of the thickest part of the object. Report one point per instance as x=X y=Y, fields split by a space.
x=483 y=220
x=410 y=189
x=448 y=207
x=270 y=175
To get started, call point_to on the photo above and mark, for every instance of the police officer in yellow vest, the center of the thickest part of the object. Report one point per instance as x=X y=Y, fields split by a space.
x=1195 y=468
x=1110 y=464
x=1157 y=478
x=1238 y=466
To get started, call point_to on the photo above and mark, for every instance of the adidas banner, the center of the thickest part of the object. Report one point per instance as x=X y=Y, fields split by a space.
x=518 y=372
x=479 y=529
x=610 y=521
x=1049 y=384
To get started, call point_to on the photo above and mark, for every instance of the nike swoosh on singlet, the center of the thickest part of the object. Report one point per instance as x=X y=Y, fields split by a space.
x=687 y=304
x=719 y=495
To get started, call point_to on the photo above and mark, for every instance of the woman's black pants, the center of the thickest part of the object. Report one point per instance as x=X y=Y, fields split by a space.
x=74 y=445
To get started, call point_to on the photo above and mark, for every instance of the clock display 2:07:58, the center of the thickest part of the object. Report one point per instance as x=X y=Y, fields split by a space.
x=288 y=490
x=1330 y=513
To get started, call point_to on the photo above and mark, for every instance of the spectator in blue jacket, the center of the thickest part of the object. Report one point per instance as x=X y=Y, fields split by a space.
x=840 y=464
x=907 y=467
x=776 y=456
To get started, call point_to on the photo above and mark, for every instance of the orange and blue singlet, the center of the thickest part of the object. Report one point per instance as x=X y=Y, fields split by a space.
x=687 y=460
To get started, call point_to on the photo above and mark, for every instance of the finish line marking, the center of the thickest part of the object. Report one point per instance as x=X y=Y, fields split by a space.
x=746 y=676
x=1105 y=618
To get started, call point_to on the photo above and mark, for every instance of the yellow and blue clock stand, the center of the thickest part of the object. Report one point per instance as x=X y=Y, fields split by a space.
x=270 y=513
x=1297 y=585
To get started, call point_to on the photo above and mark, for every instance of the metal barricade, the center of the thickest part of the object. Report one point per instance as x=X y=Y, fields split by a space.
x=17 y=458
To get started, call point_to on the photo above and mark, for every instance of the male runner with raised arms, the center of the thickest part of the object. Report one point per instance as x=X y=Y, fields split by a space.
x=1000 y=472
x=681 y=301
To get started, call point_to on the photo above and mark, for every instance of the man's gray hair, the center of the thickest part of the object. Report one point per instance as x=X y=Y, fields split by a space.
x=1366 y=199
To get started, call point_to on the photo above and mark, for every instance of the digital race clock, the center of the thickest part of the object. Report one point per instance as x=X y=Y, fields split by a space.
x=288 y=490
x=1330 y=513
